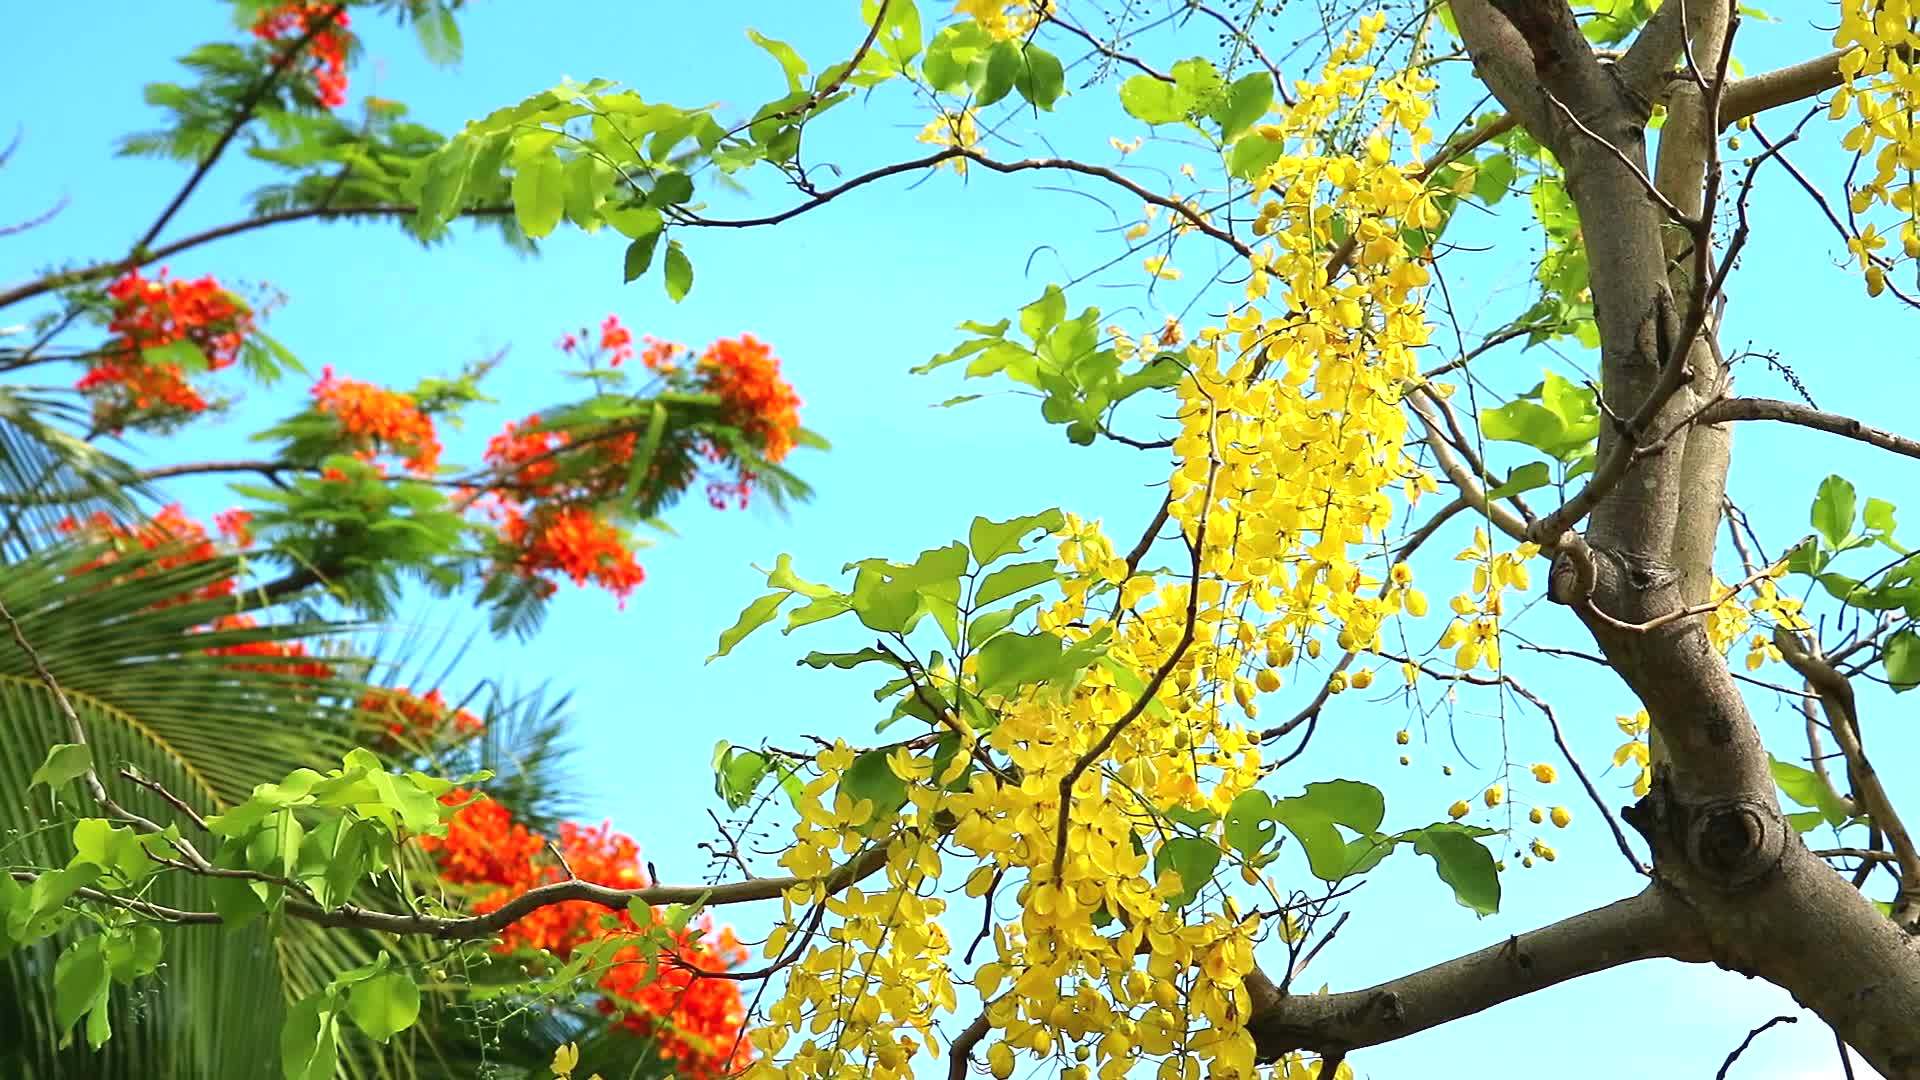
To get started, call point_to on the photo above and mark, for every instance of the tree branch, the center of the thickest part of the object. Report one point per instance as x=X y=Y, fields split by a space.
x=1651 y=924
x=147 y=256
x=1787 y=412
x=241 y=116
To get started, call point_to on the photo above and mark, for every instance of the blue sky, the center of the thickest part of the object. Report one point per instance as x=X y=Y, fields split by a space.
x=851 y=296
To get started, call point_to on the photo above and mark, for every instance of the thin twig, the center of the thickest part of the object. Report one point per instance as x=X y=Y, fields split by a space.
x=1744 y=1043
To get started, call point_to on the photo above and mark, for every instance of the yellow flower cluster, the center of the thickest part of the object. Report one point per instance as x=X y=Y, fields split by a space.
x=1881 y=87
x=1002 y=19
x=1291 y=442
x=1734 y=616
x=952 y=128
x=1474 y=633
x=1635 y=749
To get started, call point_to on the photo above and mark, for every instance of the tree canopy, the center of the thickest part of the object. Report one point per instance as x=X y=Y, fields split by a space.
x=1090 y=824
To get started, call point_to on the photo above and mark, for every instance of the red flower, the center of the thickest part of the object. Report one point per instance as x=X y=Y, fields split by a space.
x=695 y=1022
x=328 y=49
x=575 y=541
x=617 y=339
x=378 y=419
x=151 y=314
x=753 y=396
x=272 y=657
x=182 y=540
x=406 y=714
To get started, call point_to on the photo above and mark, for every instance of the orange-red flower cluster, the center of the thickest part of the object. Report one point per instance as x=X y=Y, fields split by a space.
x=575 y=541
x=695 y=1021
x=272 y=657
x=181 y=539
x=149 y=314
x=375 y=419
x=754 y=397
x=409 y=715
x=328 y=49
x=616 y=341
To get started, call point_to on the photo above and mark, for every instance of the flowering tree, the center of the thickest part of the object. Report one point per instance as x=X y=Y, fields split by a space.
x=1073 y=737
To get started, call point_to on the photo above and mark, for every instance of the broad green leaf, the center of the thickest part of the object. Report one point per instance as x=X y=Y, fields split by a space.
x=679 y=272
x=1494 y=178
x=1311 y=818
x=80 y=986
x=1250 y=822
x=1003 y=66
x=1805 y=787
x=1008 y=580
x=1248 y=100
x=1534 y=474
x=1041 y=316
x=1010 y=661
x=1193 y=859
x=307 y=1040
x=1463 y=863
x=782 y=576
x=1151 y=101
x=1199 y=84
x=789 y=60
x=1832 y=513
x=439 y=35
x=539 y=194
x=1902 y=658
x=826 y=607
x=846 y=660
x=1042 y=79
x=754 y=617
x=887 y=604
x=1878 y=516
x=989 y=540
x=1252 y=154
x=133 y=951
x=65 y=763
x=737 y=772
x=869 y=778
x=384 y=1005
x=1806 y=821
x=985 y=626
x=952 y=54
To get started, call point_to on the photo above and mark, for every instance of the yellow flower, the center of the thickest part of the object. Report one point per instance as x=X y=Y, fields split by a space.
x=956 y=129
x=1402 y=736
x=1561 y=816
x=1544 y=773
x=1157 y=266
x=1458 y=810
x=1494 y=796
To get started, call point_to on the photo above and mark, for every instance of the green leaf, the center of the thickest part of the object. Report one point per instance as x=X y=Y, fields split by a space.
x=1250 y=822
x=1003 y=67
x=439 y=35
x=1534 y=474
x=65 y=763
x=782 y=576
x=1311 y=818
x=679 y=271
x=989 y=540
x=384 y=1005
x=846 y=661
x=1199 y=83
x=887 y=604
x=539 y=194
x=183 y=354
x=80 y=985
x=1010 y=661
x=952 y=54
x=1805 y=787
x=983 y=627
x=307 y=1040
x=1042 y=79
x=1902 y=658
x=1878 y=516
x=1248 y=100
x=870 y=778
x=1193 y=859
x=1806 y=821
x=754 y=617
x=1151 y=101
x=1494 y=178
x=1832 y=513
x=1463 y=863
x=737 y=772
x=1008 y=580
x=1252 y=154
x=789 y=60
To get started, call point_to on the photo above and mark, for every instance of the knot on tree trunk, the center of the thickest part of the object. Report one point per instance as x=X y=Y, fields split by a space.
x=1727 y=844
x=1620 y=584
